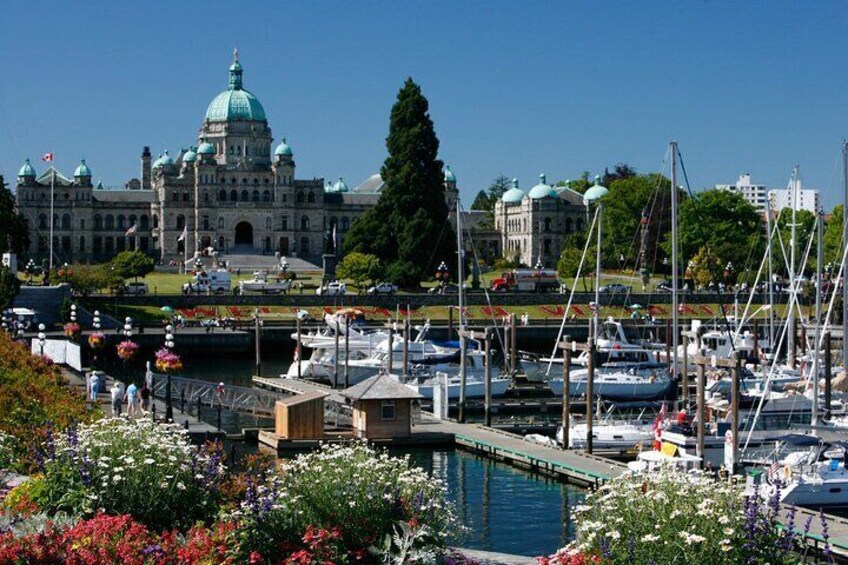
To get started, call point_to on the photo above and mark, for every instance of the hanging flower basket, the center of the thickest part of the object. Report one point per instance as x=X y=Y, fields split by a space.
x=96 y=340
x=72 y=330
x=127 y=349
x=168 y=362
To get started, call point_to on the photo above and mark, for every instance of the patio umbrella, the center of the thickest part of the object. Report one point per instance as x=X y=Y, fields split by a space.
x=167 y=309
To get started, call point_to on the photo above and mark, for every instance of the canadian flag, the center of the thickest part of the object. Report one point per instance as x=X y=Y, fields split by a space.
x=47 y=157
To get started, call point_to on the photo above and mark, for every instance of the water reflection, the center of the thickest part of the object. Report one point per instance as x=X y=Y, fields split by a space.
x=505 y=509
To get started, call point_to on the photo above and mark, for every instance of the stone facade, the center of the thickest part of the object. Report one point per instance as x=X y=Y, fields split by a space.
x=533 y=225
x=228 y=192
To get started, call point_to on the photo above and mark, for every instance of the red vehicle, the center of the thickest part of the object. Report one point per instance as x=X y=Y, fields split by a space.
x=527 y=280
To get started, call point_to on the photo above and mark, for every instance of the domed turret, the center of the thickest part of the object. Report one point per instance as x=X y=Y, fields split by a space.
x=449 y=176
x=190 y=156
x=283 y=149
x=82 y=170
x=340 y=186
x=206 y=148
x=596 y=191
x=27 y=171
x=514 y=195
x=541 y=190
x=235 y=103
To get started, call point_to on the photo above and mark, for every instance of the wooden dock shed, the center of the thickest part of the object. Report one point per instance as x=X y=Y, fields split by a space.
x=382 y=408
x=301 y=416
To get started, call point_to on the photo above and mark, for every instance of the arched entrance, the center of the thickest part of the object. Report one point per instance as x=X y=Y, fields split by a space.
x=244 y=234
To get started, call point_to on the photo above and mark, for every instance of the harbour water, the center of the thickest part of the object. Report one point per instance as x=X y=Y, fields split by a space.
x=504 y=509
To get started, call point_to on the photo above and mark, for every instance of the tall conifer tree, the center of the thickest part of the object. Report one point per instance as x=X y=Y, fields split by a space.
x=408 y=229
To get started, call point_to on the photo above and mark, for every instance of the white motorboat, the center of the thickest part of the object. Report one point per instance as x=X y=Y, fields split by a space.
x=260 y=283
x=610 y=435
x=474 y=385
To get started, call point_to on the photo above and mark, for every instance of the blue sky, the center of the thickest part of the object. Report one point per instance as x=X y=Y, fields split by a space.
x=518 y=88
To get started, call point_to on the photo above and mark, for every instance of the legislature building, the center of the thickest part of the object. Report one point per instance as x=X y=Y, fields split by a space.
x=233 y=191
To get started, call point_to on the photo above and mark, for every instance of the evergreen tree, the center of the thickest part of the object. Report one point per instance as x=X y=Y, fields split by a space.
x=14 y=233
x=408 y=229
x=482 y=202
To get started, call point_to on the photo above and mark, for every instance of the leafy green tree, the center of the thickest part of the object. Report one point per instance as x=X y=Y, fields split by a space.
x=360 y=268
x=481 y=201
x=14 y=232
x=725 y=223
x=132 y=264
x=9 y=285
x=569 y=260
x=620 y=172
x=88 y=279
x=408 y=228
x=832 y=237
x=705 y=267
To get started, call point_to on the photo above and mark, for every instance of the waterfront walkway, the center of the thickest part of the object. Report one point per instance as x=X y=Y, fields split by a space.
x=197 y=429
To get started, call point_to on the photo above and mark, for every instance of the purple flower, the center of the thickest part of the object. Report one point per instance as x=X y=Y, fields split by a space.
x=606 y=550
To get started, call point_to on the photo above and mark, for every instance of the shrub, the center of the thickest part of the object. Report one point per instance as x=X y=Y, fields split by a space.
x=353 y=490
x=33 y=397
x=135 y=467
x=673 y=517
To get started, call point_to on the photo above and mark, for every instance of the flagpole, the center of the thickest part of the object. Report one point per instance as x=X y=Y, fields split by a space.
x=52 y=182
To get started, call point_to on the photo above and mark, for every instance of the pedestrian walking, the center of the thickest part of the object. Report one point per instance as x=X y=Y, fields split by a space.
x=132 y=401
x=94 y=386
x=117 y=392
x=145 y=399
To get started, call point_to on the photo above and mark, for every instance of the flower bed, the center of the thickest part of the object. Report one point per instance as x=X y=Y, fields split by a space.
x=349 y=497
x=132 y=467
x=673 y=517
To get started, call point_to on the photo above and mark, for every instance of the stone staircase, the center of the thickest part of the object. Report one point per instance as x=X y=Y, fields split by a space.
x=248 y=262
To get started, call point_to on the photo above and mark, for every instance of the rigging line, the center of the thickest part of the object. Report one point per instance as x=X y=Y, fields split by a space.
x=485 y=290
x=571 y=294
x=783 y=334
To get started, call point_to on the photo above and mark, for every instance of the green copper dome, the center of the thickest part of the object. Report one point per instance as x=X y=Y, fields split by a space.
x=514 y=195
x=541 y=190
x=449 y=176
x=27 y=170
x=190 y=156
x=206 y=148
x=283 y=149
x=82 y=170
x=235 y=103
x=163 y=160
x=596 y=191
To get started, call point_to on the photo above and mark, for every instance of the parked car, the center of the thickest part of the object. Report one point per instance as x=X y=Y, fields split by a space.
x=614 y=288
x=449 y=288
x=683 y=286
x=383 y=288
x=135 y=288
x=334 y=288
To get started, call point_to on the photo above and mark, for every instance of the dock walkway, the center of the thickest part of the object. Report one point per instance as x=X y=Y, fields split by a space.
x=198 y=429
x=298 y=386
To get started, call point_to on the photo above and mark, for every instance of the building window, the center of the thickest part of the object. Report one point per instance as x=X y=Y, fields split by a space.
x=66 y=221
x=285 y=224
x=42 y=221
x=345 y=223
x=120 y=244
x=299 y=197
x=66 y=244
x=143 y=222
x=255 y=196
x=175 y=196
x=144 y=244
x=122 y=222
x=82 y=223
x=221 y=224
x=233 y=195
x=186 y=197
x=569 y=225
x=304 y=222
x=110 y=222
x=268 y=224
x=206 y=196
x=155 y=221
x=222 y=195
x=311 y=197
x=245 y=196
x=133 y=221
x=547 y=224
x=110 y=244
x=266 y=196
x=42 y=243
x=388 y=410
x=98 y=245
x=205 y=222
x=304 y=246
x=180 y=222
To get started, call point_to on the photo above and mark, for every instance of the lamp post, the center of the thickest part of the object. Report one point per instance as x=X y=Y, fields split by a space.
x=73 y=312
x=95 y=323
x=128 y=327
x=169 y=407
x=42 y=337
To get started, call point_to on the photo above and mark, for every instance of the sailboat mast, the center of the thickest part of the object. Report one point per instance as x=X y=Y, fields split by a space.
x=597 y=312
x=790 y=318
x=460 y=279
x=770 y=275
x=819 y=269
x=675 y=322
x=844 y=242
